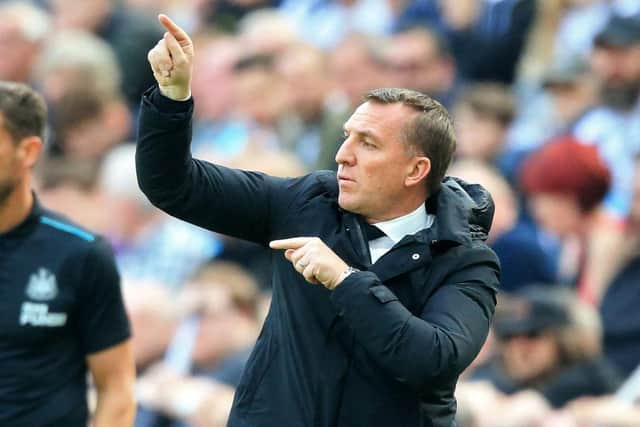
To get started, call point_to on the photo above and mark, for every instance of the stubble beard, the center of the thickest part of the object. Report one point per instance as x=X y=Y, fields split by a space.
x=7 y=188
x=621 y=97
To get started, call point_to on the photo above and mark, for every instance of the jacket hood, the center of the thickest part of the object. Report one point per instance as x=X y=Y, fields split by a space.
x=464 y=211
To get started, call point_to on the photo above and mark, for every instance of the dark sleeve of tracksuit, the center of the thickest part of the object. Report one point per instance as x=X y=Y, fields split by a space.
x=447 y=335
x=415 y=350
x=103 y=318
x=230 y=201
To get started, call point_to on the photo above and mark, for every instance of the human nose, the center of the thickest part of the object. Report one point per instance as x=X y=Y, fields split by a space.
x=345 y=153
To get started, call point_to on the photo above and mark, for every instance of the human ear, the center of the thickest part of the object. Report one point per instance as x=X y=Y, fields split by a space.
x=29 y=150
x=418 y=171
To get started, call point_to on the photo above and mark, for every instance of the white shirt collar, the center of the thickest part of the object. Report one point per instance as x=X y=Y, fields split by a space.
x=410 y=223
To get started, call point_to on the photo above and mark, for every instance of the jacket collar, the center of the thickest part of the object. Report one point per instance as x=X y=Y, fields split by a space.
x=463 y=212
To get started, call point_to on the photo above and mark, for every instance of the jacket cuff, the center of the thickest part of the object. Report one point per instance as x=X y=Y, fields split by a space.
x=358 y=285
x=167 y=105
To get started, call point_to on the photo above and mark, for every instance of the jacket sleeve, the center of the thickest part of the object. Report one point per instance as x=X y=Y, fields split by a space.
x=229 y=201
x=443 y=340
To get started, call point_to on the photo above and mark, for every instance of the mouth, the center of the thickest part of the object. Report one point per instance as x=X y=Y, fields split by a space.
x=343 y=178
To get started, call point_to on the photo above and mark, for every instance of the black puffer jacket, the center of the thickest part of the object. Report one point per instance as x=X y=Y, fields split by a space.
x=383 y=349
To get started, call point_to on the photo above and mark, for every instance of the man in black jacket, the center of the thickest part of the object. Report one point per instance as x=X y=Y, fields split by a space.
x=395 y=311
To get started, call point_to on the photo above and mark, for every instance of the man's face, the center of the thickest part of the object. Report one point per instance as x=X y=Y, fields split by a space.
x=9 y=165
x=527 y=357
x=18 y=53
x=414 y=63
x=374 y=161
x=618 y=71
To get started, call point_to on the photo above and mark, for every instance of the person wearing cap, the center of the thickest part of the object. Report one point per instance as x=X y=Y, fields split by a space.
x=62 y=313
x=572 y=90
x=383 y=284
x=616 y=62
x=548 y=342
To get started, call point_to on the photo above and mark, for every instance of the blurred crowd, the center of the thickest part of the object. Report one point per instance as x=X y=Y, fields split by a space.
x=545 y=97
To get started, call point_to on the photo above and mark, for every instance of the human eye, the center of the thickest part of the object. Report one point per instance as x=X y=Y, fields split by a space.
x=368 y=143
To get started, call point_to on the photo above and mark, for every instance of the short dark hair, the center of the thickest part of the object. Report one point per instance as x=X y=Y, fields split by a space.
x=23 y=111
x=429 y=133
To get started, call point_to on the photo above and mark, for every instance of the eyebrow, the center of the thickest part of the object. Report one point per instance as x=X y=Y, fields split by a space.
x=365 y=133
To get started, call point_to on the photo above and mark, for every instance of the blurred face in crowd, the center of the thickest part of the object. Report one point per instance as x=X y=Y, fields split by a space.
x=212 y=83
x=559 y=214
x=478 y=136
x=18 y=53
x=89 y=16
x=506 y=206
x=528 y=357
x=303 y=70
x=374 y=163
x=223 y=327
x=259 y=95
x=570 y=100
x=354 y=70
x=415 y=63
x=618 y=70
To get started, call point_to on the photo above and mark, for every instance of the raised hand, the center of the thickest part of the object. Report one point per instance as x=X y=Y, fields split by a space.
x=171 y=60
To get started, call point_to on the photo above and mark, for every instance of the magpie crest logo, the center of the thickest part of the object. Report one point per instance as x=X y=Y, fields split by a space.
x=42 y=286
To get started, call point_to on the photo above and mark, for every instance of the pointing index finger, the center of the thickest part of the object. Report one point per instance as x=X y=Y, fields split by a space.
x=174 y=29
x=292 y=243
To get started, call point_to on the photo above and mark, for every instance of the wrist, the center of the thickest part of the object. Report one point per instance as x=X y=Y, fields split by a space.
x=175 y=93
x=345 y=273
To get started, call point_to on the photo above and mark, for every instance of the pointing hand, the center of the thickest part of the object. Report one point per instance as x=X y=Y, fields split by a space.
x=312 y=258
x=172 y=61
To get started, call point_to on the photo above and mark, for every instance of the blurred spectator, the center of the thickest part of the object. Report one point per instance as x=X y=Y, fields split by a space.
x=71 y=187
x=550 y=343
x=266 y=32
x=420 y=59
x=80 y=120
x=208 y=359
x=572 y=90
x=76 y=60
x=487 y=36
x=149 y=246
x=216 y=132
x=616 y=62
x=568 y=93
x=226 y=14
x=357 y=66
x=154 y=316
x=306 y=126
x=482 y=115
x=615 y=127
x=619 y=312
x=596 y=412
x=256 y=79
x=23 y=30
x=526 y=256
x=130 y=34
x=565 y=182
x=325 y=23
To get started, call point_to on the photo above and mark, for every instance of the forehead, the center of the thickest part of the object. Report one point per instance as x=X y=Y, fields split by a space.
x=380 y=118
